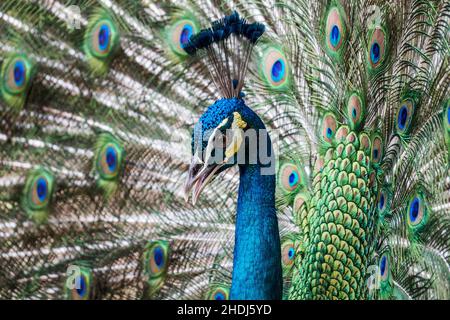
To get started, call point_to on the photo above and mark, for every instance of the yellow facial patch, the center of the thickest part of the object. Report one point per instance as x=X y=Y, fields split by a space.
x=238 y=121
x=238 y=135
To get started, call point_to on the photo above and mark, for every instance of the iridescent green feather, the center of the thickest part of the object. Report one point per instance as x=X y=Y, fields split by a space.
x=334 y=30
x=79 y=284
x=446 y=121
x=273 y=66
x=182 y=26
x=218 y=292
x=406 y=112
x=101 y=41
x=108 y=163
x=385 y=276
x=291 y=179
x=16 y=75
x=37 y=194
x=378 y=47
x=155 y=261
x=338 y=221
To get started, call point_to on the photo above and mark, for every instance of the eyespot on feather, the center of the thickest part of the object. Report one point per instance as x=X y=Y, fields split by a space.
x=355 y=111
x=384 y=266
x=156 y=259
x=37 y=194
x=79 y=285
x=275 y=67
x=404 y=116
x=382 y=201
x=377 y=47
x=288 y=253
x=417 y=212
x=103 y=39
x=329 y=126
x=15 y=79
x=377 y=149
x=335 y=31
x=179 y=35
x=218 y=293
x=289 y=177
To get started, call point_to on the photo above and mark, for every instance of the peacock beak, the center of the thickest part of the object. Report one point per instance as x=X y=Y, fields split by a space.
x=199 y=176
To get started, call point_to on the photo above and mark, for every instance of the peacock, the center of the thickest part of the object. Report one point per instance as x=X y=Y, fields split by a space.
x=208 y=149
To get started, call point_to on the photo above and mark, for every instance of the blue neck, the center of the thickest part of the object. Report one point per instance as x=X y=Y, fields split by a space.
x=257 y=254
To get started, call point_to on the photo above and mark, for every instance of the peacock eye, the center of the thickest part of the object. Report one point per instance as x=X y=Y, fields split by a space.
x=382 y=202
x=109 y=161
x=40 y=191
x=103 y=37
x=17 y=76
x=186 y=34
x=404 y=116
x=158 y=257
x=384 y=267
x=156 y=260
x=219 y=293
x=355 y=111
x=288 y=253
x=80 y=288
x=335 y=30
x=155 y=264
x=275 y=67
x=328 y=127
x=180 y=34
x=415 y=211
x=289 y=176
x=447 y=117
x=377 y=47
x=448 y=114
x=376 y=149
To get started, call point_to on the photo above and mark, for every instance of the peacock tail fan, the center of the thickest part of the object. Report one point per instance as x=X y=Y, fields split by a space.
x=97 y=102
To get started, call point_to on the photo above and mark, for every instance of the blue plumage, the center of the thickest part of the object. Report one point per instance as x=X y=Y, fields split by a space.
x=257 y=272
x=103 y=37
x=41 y=189
x=186 y=34
x=81 y=288
x=278 y=70
x=375 y=53
x=414 y=209
x=383 y=265
x=335 y=36
x=111 y=158
x=158 y=255
x=19 y=73
x=402 y=117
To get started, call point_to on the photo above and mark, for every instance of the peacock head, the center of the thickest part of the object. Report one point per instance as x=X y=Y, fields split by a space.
x=228 y=133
